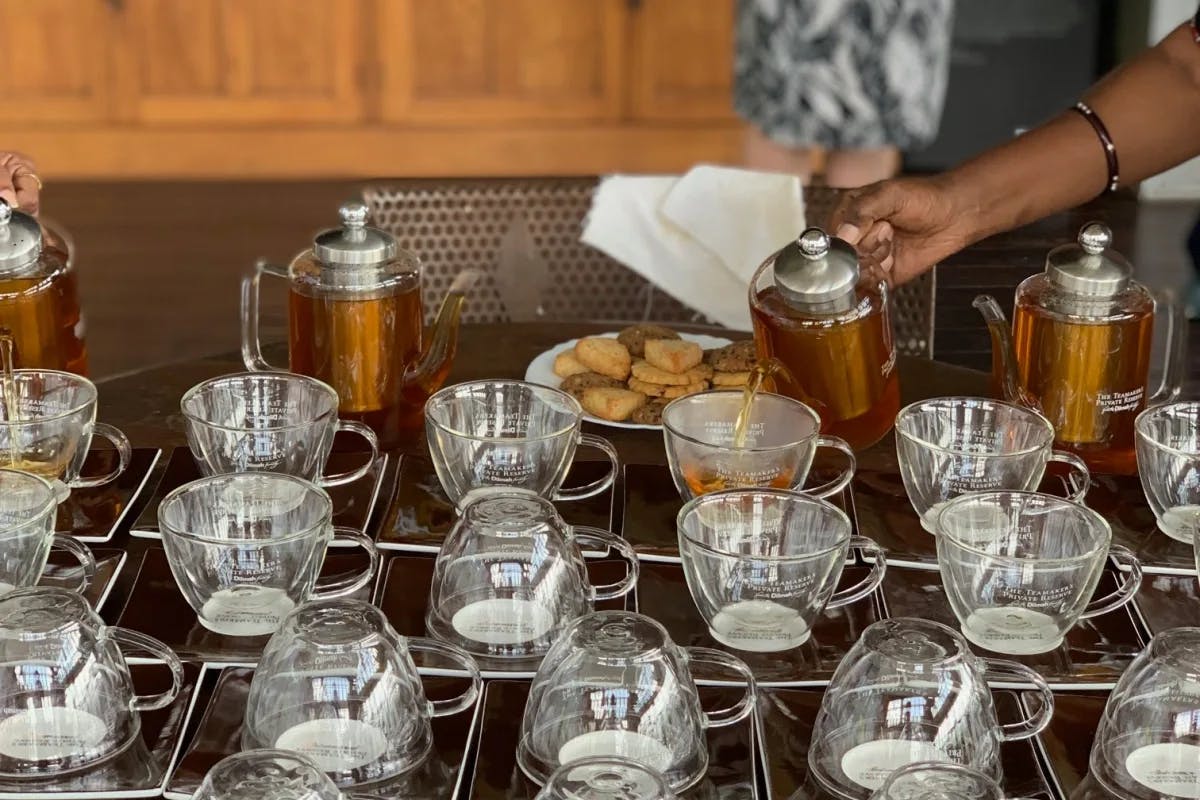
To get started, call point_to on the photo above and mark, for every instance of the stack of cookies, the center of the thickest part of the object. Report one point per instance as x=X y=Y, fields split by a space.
x=635 y=375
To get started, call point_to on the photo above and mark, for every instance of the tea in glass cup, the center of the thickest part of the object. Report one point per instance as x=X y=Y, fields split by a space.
x=780 y=437
x=27 y=513
x=950 y=446
x=500 y=435
x=1019 y=568
x=762 y=564
x=1168 y=456
x=47 y=420
x=246 y=548
x=269 y=422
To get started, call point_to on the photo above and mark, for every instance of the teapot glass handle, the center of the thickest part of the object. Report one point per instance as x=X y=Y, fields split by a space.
x=1173 y=351
x=251 y=305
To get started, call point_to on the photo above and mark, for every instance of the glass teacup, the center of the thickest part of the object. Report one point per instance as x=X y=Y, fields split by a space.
x=911 y=690
x=1019 y=568
x=949 y=446
x=781 y=438
x=270 y=775
x=66 y=697
x=511 y=575
x=269 y=422
x=614 y=684
x=1147 y=745
x=27 y=513
x=605 y=778
x=1168 y=456
x=245 y=549
x=932 y=780
x=501 y=434
x=761 y=564
x=336 y=683
x=49 y=431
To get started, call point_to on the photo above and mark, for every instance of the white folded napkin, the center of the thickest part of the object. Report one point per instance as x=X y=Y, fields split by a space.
x=698 y=237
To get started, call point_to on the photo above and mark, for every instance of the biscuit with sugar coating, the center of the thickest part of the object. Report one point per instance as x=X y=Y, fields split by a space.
x=566 y=364
x=614 y=405
x=606 y=356
x=673 y=355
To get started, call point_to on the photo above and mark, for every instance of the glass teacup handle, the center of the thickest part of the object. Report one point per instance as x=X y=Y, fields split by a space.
x=868 y=584
x=251 y=305
x=87 y=562
x=147 y=644
x=610 y=541
x=352 y=475
x=449 y=652
x=999 y=670
x=599 y=485
x=1080 y=478
x=341 y=587
x=120 y=443
x=1130 y=584
x=838 y=484
x=745 y=705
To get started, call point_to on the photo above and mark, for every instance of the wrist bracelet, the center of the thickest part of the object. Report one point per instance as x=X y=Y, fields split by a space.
x=1196 y=28
x=1110 y=149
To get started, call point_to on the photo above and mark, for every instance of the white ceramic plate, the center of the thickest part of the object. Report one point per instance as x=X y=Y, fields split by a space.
x=541 y=370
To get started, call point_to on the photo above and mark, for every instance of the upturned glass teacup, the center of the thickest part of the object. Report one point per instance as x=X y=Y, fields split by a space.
x=337 y=684
x=911 y=690
x=1168 y=455
x=614 y=684
x=950 y=446
x=511 y=575
x=48 y=430
x=246 y=548
x=762 y=564
x=503 y=434
x=27 y=512
x=605 y=778
x=270 y=775
x=67 y=701
x=269 y=422
x=780 y=439
x=933 y=780
x=1019 y=568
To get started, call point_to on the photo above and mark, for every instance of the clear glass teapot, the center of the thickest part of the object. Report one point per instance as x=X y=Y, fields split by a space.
x=355 y=321
x=39 y=295
x=831 y=333
x=1079 y=350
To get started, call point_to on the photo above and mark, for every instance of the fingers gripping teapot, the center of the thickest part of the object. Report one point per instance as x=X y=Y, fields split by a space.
x=355 y=321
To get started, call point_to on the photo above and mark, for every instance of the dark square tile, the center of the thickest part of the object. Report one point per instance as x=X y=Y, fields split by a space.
x=95 y=514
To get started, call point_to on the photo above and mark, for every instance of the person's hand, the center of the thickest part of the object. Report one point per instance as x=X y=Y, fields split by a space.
x=903 y=227
x=19 y=183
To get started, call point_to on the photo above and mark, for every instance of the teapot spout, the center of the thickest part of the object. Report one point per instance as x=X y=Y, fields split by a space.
x=428 y=373
x=1004 y=358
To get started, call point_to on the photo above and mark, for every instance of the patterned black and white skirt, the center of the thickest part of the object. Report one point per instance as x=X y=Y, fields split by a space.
x=843 y=74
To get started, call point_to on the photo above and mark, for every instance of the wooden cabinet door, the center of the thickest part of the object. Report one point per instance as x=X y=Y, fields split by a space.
x=54 y=60
x=682 y=59
x=285 y=61
x=468 y=61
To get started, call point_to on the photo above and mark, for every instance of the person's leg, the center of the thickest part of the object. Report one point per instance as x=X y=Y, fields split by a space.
x=761 y=152
x=849 y=169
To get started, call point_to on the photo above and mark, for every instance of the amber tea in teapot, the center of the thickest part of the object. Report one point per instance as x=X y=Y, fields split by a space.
x=1079 y=351
x=833 y=335
x=356 y=321
x=39 y=296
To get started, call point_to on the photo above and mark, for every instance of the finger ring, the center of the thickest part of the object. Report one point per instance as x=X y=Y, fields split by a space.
x=25 y=173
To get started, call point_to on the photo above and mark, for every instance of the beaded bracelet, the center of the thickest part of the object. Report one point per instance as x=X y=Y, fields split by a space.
x=1110 y=149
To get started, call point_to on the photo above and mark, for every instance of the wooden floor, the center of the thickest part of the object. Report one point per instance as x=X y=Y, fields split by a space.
x=160 y=263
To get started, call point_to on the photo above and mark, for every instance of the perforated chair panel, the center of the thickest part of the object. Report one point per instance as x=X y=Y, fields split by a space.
x=522 y=234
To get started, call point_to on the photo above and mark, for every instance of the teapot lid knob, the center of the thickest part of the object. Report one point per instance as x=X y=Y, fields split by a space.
x=355 y=244
x=814 y=243
x=354 y=215
x=5 y=213
x=1095 y=238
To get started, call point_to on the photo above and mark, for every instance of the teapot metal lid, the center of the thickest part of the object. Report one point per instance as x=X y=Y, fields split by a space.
x=354 y=244
x=1089 y=267
x=817 y=272
x=20 y=239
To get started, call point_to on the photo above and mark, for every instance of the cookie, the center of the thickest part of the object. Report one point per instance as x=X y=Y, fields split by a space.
x=566 y=364
x=650 y=413
x=700 y=372
x=647 y=372
x=668 y=392
x=737 y=357
x=634 y=337
x=673 y=355
x=577 y=384
x=615 y=405
x=606 y=356
x=730 y=379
